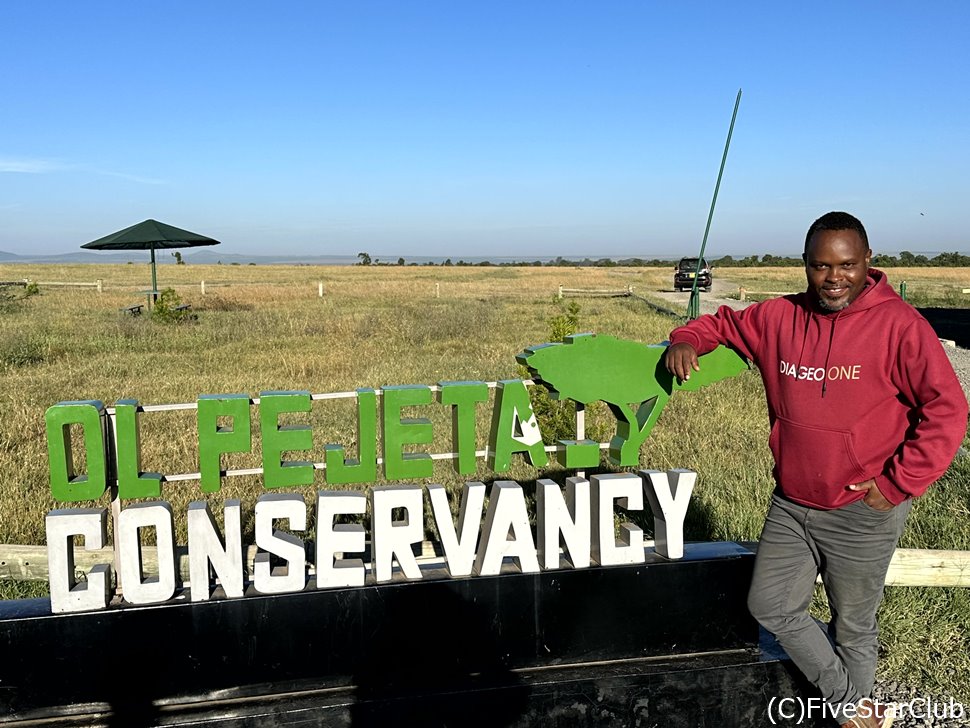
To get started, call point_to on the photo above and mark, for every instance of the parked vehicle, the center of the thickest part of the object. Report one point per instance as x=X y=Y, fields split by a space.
x=686 y=270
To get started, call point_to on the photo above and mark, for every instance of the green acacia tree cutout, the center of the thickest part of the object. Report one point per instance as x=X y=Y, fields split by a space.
x=628 y=376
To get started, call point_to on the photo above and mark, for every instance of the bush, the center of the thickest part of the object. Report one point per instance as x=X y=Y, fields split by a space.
x=23 y=351
x=8 y=302
x=166 y=309
x=558 y=417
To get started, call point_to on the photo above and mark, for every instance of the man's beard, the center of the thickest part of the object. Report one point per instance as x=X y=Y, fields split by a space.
x=830 y=307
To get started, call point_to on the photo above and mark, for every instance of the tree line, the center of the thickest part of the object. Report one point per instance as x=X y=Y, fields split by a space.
x=905 y=259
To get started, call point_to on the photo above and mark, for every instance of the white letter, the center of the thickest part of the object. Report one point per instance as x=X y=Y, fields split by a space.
x=67 y=595
x=627 y=490
x=506 y=512
x=291 y=576
x=459 y=547
x=137 y=588
x=206 y=547
x=669 y=494
x=569 y=516
x=390 y=538
x=339 y=538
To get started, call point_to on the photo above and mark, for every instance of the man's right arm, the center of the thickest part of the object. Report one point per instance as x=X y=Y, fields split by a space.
x=681 y=360
x=738 y=329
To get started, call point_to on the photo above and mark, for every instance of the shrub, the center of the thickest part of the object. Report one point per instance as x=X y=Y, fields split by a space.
x=23 y=351
x=166 y=309
x=558 y=417
x=8 y=302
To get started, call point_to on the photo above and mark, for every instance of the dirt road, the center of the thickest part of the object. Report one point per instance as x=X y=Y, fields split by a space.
x=710 y=302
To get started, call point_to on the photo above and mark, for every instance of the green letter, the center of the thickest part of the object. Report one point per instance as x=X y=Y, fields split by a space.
x=463 y=396
x=632 y=429
x=514 y=428
x=364 y=469
x=66 y=485
x=400 y=431
x=215 y=440
x=578 y=453
x=278 y=439
x=132 y=482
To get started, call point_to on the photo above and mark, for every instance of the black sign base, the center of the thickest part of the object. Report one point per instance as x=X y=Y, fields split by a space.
x=665 y=643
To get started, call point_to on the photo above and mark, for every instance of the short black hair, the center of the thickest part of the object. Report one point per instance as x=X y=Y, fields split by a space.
x=837 y=221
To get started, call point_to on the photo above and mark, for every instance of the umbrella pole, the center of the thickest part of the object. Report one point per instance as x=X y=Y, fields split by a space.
x=154 y=293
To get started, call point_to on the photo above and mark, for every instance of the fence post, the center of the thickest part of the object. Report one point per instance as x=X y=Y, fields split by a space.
x=202 y=287
x=320 y=289
x=99 y=285
x=560 y=292
x=902 y=290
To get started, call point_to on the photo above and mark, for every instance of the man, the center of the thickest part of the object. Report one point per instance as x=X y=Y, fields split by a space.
x=865 y=413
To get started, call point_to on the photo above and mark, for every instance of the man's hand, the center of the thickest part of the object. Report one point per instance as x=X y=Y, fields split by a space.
x=681 y=360
x=874 y=497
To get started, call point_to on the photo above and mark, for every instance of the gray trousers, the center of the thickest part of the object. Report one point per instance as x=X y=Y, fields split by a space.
x=851 y=548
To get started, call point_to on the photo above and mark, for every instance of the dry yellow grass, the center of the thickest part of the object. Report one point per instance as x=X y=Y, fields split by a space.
x=266 y=328
x=924 y=286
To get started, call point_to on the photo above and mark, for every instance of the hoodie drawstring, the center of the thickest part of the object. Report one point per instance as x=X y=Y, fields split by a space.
x=808 y=320
x=828 y=353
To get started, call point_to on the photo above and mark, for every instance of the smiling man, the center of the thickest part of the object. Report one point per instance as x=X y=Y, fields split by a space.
x=865 y=413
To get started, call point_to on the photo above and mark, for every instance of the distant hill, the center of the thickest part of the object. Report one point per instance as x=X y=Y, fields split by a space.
x=211 y=256
x=163 y=257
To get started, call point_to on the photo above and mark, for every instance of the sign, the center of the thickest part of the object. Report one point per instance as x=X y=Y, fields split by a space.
x=628 y=376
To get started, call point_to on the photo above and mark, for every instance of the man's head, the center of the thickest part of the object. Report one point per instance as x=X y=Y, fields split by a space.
x=836 y=259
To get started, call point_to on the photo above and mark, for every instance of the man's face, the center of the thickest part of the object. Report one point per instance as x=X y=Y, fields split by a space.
x=836 y=264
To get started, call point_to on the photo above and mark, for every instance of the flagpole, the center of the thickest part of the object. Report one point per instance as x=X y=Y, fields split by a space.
x=694 y=304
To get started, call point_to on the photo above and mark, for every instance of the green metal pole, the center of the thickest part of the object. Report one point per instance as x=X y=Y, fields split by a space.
x=153 y=296
x=694 y=304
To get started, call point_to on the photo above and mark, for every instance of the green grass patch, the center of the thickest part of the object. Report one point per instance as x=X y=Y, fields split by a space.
x=262 y=328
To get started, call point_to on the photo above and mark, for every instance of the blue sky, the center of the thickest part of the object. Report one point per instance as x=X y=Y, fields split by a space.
x=484 y=128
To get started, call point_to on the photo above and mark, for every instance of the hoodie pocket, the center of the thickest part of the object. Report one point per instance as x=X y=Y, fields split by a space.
x=814 y=462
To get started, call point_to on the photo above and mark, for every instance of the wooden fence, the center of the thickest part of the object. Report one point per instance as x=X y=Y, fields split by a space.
x=596 y=293
x=743 y=293
x=909 y=567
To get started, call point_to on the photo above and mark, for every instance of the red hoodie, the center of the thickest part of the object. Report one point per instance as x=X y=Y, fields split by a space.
x=865 y=392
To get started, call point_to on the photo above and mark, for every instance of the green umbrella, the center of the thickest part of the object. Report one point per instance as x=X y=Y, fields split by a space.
x=150 y=235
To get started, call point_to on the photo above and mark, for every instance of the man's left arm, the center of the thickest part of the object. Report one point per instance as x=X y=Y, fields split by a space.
x=925 y=378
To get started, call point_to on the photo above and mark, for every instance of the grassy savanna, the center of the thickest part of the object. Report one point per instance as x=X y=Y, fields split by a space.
x=924 y=286
x=266 y=328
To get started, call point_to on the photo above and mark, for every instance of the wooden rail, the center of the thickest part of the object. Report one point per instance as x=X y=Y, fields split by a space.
x=921 y=567
x=98 y=284
x=909 y=567
x=628 y=291
x=744 y=292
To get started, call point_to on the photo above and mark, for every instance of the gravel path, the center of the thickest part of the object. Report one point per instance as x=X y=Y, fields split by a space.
x=960 y=359
x=919 y=710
